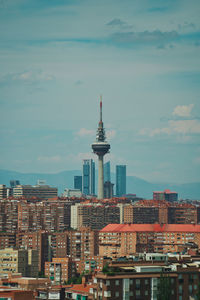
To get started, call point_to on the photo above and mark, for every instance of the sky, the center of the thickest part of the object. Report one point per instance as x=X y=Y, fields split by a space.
x=58 y=56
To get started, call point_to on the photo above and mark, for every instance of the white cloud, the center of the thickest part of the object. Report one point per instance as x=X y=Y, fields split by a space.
x=175 y=127
x=86 y=132
x=183 y=110
x=30 y=76
x=110 y=134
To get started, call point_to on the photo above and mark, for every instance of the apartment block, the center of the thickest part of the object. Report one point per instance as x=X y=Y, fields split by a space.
x=118 y=240
x=182 y=214
x=16 y=294
x=60 y=270
x=59 y=244
x=8 y=215
x=36 y=241
x=18 y=261
x=83 y=243
x=7 y=240
x=143 y=281
x=95 y=216
x=166 y=195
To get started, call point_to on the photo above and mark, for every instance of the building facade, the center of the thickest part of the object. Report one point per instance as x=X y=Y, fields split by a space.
x=116 y=240
x=88 y=178
x=106 y=171
x=78 y=183
x=120 y=180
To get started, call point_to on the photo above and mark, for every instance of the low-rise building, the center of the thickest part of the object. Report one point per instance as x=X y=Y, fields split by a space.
x=145 y=281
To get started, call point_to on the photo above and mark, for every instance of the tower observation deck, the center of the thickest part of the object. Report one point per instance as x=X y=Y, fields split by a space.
x=100 y=147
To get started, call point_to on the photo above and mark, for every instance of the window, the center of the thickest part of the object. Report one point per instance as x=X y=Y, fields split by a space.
x=146 y=293
x=146 y=281
x=107 y=282
x=116 y=282
x=137 y=281
x=116 y=294
x=137 y=293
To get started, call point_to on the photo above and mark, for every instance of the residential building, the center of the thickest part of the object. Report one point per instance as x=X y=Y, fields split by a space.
x=60 y=270
x=15 y=294
x=7 y=240
x=142 y=280
x=19 y=261
x=166 y=195
x=120 y=180
x=4 y=191
x=88 y=178
x=94 y=215
x=36 y=241
x=116 y=240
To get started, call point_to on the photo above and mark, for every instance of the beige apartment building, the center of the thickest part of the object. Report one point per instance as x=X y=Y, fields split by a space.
x=19 y=261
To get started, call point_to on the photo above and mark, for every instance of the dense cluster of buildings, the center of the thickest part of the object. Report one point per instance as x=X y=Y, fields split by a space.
x=84 y=247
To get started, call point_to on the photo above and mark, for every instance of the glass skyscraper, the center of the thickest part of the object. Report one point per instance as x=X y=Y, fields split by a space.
x=88 y=178
x=78 y=182
x=107 y=172
x=120 y=180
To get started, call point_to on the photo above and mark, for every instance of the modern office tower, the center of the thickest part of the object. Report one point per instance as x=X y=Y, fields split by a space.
x=88 y=182
x=100 y=147
x=78 y=183
x=106 y=172
x=108 y=189
x=120 y=180
x=13 y=183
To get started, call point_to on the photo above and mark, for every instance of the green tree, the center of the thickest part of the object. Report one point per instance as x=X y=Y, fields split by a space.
x=164 y=288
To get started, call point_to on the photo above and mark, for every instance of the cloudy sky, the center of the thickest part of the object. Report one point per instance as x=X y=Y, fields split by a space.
x=58 y=56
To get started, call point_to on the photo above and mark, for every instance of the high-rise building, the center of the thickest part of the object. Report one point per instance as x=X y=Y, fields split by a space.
x=78 y=183
x=120 y=180
x=88 y=179
x=106 y=171
x=100 y=148
x=108 y=189
x=13 y=183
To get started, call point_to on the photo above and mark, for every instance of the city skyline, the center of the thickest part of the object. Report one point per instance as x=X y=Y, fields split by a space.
x=57 y=57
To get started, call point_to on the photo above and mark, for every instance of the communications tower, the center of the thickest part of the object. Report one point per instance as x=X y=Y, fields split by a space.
x=100 y=147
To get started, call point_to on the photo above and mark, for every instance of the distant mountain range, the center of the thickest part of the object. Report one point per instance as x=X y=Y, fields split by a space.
x=135 y=185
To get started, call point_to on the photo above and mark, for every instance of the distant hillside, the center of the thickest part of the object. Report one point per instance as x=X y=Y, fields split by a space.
x=135 y=185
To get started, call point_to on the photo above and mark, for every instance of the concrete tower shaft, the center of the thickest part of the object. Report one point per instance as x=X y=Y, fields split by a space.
x=100 y=148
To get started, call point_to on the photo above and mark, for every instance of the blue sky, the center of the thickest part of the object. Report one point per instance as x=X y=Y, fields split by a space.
x=58 y=56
